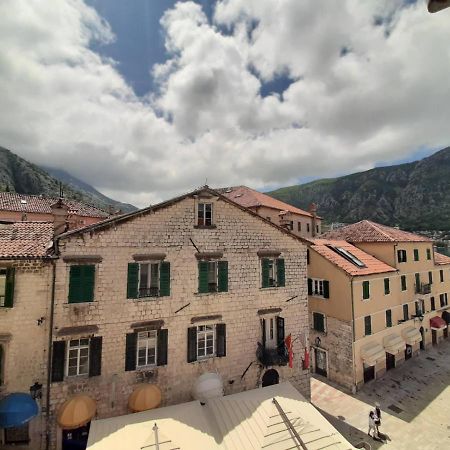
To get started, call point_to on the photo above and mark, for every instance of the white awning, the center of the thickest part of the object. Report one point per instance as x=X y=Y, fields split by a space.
x=393 y=344
x=411 y=335
x=372 y=353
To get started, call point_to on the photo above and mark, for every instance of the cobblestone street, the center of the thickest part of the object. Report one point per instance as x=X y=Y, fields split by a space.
x=414 y=398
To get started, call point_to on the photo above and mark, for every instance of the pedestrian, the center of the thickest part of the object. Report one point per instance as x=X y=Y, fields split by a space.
x=377 y=413
x=372 y=425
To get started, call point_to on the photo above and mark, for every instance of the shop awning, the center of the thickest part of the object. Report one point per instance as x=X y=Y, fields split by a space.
x=446 y=317
x=393 y=344
x=144 y=397
x=17 y=409
x=411 y=335
x=76 y=412
x=371 y=353
x=437 y=323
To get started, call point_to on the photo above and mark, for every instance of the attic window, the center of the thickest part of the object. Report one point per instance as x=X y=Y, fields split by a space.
x=348 y=256
x=23 y=201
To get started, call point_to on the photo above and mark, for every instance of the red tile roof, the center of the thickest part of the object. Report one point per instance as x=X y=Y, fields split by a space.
x=11 y=201
x=25 y=239
x=373 y=265
x=441 y=259
x=367 y=231
x=250 y=198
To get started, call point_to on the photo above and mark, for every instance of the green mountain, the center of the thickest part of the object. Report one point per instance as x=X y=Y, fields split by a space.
x=23 y=177
x=414 y=196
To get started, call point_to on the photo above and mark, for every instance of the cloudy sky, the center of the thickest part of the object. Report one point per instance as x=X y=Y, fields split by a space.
x=146 y=99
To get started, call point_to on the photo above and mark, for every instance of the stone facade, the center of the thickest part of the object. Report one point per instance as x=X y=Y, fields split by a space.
x=24 y=338
x=171 y=231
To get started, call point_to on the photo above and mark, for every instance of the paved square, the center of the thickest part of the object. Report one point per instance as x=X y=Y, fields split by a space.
x=414 y=398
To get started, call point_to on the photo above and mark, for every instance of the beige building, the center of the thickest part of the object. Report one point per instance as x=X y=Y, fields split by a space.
x=305 y=224
x=194 y=285
x=25 y=294
x=377 y=295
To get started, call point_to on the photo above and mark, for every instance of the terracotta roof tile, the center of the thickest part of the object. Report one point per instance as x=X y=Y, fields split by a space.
x=441 y=259
x=373 y=265
x=25 y=239
x=250 y=198
x=11 y=201
x=367 y=231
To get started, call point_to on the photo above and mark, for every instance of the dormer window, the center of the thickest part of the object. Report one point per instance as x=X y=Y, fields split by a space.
x=204 y=215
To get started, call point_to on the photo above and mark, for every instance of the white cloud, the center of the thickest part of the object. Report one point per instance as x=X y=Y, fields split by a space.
x=64 y=105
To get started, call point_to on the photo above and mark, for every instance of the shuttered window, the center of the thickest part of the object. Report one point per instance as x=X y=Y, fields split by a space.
x=81 y=283
x=212 y=276
x=430 y=277
x=441 y=276
x=432 y=304
x=146 y=349
x=273 y=272
x=319 y=288
x=387 y=286
x=405 y=312
x=366 y=290
x=428 y=253
x=403 y=282
x=416 y=254
x=7 y=277
x=388 y=318
x=319 y=322
x=401 y=256
x=148 y=280
x=367 y=325
x=206 y=341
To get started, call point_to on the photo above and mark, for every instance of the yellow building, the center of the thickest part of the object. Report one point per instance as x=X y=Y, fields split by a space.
x=377 y=295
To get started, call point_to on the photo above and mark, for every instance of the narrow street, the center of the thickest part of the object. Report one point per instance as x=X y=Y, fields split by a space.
x=414 y=398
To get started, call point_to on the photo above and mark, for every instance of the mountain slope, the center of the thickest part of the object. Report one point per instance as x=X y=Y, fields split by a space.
x=414 y=196
x=23 y=177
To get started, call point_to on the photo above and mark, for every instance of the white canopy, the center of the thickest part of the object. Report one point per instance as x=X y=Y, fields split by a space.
x=372 y=353
x=393 y=344
x=411 y=335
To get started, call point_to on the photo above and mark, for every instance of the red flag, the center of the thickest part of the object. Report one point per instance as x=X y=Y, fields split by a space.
x=306 y=360
x=288 y=343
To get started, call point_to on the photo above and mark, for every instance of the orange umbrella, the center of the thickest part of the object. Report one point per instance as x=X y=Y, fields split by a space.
x=76 y=412
x=145 y=396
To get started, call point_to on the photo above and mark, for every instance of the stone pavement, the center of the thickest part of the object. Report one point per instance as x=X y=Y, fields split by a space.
x=414 y=398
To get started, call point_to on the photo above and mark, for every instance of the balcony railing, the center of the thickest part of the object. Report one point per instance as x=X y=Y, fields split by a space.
x=272 y=356
x=148 y=292
x=423 y=288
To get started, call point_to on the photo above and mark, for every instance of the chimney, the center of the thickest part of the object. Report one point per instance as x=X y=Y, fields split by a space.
x=313 y=210
x=60 y=213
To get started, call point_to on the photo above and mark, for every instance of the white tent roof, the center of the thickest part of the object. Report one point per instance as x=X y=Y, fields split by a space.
x=247 y=420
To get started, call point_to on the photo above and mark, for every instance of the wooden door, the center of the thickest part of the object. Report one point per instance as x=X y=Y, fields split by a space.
x=321 y=362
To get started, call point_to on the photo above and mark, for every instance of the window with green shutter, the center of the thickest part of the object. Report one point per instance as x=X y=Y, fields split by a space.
x=366 y=290
x=164 y=279
x=81 y=283
x=428 y=253
x=319 y=322
x=280 y=272
x=203 y=277
x=7 y=278
x=387 y=286
x=388 y=318
x=150 y=279
x=367 y=325
x=272 y=272
x=441 y=276
x=430 y=277
x=403 y=282
x=416 y=254
x=212 y=276
x=222 y=276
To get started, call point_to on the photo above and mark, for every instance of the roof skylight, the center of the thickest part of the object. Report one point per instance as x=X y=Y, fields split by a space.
x=348 y=256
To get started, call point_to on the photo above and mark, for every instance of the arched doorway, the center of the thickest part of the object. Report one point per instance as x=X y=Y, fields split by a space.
x=270 y=377
x=422 y=342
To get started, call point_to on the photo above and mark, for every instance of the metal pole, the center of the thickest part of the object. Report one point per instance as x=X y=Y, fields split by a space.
x=288 y=423
x=155 y=429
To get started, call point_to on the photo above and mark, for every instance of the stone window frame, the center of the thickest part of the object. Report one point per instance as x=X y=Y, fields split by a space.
x=202 y=222
x=203 y=331
x=78 y=349
x=147 y=340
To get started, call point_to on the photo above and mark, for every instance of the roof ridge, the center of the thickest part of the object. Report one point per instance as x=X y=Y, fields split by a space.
x=375 y=225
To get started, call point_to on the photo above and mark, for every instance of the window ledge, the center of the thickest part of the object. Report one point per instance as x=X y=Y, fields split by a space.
x=205 y=227
x=80 y=304
x=365 y=300
x=75 y=378
x=204 y=359
x=151 y=368
x=319 y=296
x=271 y=288
x=206 y=294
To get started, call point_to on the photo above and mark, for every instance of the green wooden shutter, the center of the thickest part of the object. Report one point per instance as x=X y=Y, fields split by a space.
x=281 y=347
x=326 y=289
x=75 y=284
x=9 y=287
x=88 y=272
x=416 y=254
x=263 y=334
x=58 y=360
x=95 y=356
x=163 y=337
x=133 y=280
x=130 y=351
x=366 y=290
x=223 y=276
x=280 y=272
x=264 y=272
x=203 y=277
x=192 y=344
x=164 y=279
x=221 y=340
x=387 y=288
x=309 y=286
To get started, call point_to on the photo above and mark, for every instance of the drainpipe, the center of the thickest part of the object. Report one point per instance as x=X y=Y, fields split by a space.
x=353 y=335
x=49 y=349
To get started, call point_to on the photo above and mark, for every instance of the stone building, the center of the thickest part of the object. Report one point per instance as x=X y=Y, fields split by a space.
x=25 y=294
x=162 y=295
x=377 y=295
x=305 y=224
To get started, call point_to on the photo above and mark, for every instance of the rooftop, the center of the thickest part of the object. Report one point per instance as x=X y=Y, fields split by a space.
x=368 y=231
x=441 y=259
x=11 y=201
x=25 y=239
x=250 y=198
x=349 y=258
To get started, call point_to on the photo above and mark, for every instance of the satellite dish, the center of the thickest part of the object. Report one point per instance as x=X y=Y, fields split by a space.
x=209 y=385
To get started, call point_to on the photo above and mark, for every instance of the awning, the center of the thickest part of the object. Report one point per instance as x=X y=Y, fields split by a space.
x=76 y=412
x=437 y=323
x=411 y=335
x=144 y=397
x=371 y=353
x=393 y=344
x=446 y=316
x=17 y=409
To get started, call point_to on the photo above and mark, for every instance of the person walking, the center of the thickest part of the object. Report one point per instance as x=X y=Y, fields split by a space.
x=372 y=425
x=377 y=418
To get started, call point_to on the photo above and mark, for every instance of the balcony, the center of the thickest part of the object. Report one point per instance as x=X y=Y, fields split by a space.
x=272 y=356
x=423 y=288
